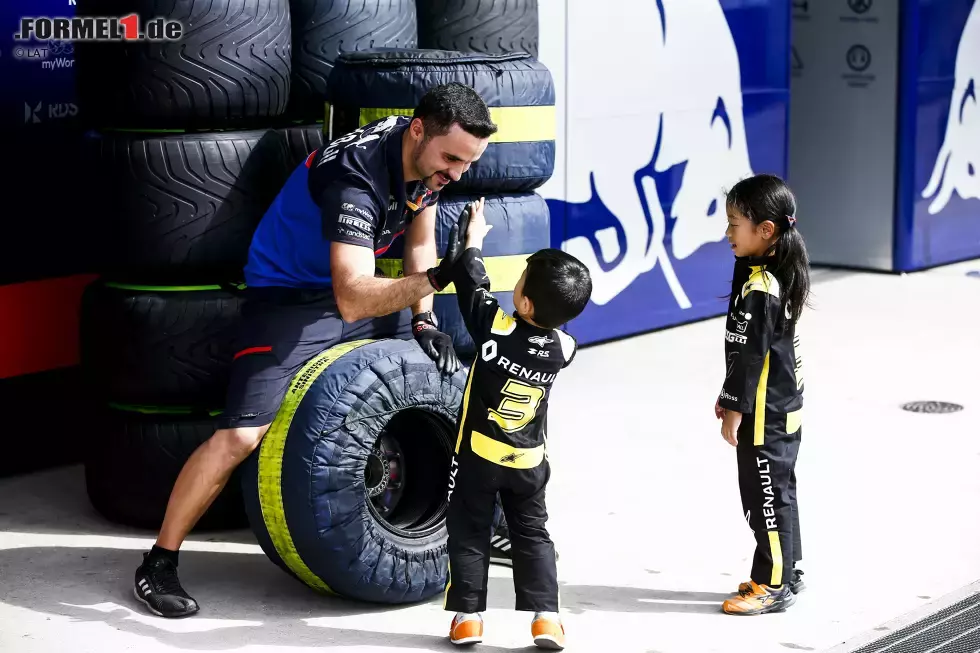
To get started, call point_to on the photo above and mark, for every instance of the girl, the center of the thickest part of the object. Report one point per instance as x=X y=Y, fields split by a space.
x=762 y=395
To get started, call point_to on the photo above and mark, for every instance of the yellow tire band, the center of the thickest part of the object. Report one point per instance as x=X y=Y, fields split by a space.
x=514 y=124
x=270 y=463
x=504 y=271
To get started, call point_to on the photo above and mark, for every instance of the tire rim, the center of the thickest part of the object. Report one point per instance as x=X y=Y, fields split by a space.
x=406 y=474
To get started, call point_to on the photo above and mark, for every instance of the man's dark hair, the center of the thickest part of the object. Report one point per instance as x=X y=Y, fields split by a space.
x=454 y=103
x=558 y=284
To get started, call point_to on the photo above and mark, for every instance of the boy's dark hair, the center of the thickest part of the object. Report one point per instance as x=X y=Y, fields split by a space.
x=454 y=103
x=767 y=197
x=558 y=284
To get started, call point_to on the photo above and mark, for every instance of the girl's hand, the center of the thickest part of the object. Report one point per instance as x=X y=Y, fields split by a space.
x=719 y=411
x=478 y=228
x=729 y=426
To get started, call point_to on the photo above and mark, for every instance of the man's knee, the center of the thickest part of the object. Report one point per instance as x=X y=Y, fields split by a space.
x=239 y=442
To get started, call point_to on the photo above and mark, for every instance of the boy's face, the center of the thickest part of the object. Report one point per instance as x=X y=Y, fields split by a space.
x=523 y=305
x=747 y=238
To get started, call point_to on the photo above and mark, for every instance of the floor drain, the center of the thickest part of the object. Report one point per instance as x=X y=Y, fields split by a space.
x=931 y=407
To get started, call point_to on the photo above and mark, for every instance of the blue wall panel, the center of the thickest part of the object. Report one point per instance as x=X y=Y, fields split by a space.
x=762 y=38
x=939 y=172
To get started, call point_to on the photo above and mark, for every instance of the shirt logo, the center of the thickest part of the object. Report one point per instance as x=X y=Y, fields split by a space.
x=540 y=341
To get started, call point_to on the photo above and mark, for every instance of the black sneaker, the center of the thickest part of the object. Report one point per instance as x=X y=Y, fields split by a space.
x=158 y=588
x=500 y=549
x=796 y=585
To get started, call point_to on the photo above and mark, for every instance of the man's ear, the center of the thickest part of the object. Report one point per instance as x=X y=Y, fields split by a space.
x=418 y=129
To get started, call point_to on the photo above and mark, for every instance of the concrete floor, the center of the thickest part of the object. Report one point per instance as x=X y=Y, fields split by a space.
x=652 y=540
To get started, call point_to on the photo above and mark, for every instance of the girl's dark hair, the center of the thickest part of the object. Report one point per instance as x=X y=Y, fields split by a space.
x=767 y=197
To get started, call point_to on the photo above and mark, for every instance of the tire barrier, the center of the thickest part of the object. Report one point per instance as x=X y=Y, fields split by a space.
x=323 y=30
x=519 y=91
x=131 y=467
x=231 y=66
x=487 y=26
x=347 y=490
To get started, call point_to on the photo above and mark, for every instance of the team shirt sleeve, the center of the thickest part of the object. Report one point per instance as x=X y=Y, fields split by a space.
x=349 y=212
x=477 y=304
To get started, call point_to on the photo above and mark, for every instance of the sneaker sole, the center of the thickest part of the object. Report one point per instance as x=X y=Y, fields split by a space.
x=781 y=607
x=467 y=640
x=506 y=562
x=548 y=642
x=157 y=612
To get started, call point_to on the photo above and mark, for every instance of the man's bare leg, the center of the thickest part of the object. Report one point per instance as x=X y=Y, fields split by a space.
x=201 y=480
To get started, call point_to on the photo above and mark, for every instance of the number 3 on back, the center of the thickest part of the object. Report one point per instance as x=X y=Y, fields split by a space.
x=519 y=406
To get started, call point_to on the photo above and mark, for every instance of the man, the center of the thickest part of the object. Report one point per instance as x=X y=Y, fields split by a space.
x=311 y=284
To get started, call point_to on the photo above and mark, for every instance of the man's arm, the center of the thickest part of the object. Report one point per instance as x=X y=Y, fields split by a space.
x=420 y=251
x=748 y=333
x=361 y=295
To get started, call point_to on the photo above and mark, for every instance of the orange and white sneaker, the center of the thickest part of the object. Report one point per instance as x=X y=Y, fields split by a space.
x=753 y=599
x=548 y=633
x=466 y=629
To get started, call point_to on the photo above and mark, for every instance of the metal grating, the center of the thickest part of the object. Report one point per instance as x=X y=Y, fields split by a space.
x=931 y=407
x=955 y=629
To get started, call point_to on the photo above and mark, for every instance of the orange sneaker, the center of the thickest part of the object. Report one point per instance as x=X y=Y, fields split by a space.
x=548 y=634
x=466 y=631
x=753 y=599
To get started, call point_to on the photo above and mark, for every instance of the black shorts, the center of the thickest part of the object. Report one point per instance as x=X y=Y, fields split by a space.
x=281 y=330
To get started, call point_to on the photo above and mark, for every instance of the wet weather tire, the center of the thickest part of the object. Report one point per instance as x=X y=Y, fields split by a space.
x=231 y=66
x=132 y=461
x=325 y=28
x=347 y=490
x=487 y=26
x=181 y=208
x=159 y=346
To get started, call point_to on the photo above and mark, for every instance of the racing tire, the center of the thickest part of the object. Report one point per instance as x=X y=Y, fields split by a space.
x=152 y=346
x=487 y=26
x=323 y=30
x=301 y=142
x=521 y=226
x=347 y=491
x=181 y=208
x=231 y=66
x=134 y=460
x=518 y=89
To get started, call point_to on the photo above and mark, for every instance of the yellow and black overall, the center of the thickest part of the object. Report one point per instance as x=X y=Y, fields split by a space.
x=764 y=382
x=500 y=448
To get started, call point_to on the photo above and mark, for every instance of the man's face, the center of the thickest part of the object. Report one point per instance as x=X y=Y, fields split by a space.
x=440 y=160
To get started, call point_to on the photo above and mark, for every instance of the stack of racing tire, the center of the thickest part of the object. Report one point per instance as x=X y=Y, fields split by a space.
x=191 y=142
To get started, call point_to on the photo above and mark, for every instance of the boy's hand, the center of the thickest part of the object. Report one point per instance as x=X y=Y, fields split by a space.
x=719 y=411
x=729 y=426
x=441 y=275
x=478 y=227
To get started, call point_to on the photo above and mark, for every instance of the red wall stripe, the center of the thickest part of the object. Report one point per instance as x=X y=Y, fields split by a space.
x=39 y=324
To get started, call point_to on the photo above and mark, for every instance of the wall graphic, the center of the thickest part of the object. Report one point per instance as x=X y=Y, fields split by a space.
x=664 y=108
x=941 y=175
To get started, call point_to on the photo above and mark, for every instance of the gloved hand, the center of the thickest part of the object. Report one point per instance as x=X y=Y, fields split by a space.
x=435 y=343
x=441 y=275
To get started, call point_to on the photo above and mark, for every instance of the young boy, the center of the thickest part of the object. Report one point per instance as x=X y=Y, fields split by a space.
x=502 y=433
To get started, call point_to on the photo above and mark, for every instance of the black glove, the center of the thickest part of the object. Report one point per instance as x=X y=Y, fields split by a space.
x=442 y=275
x=435 y=343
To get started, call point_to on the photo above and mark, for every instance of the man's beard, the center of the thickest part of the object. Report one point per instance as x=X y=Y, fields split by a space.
x=431 y=181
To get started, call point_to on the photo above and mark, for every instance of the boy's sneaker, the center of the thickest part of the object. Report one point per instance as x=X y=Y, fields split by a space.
x=466 y=629
x=158 y=588
x=548 y=633
x=753 y=599
x=796 y=585
x=500 y=550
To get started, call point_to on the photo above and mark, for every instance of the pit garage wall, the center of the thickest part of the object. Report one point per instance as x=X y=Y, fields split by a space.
x=938 y=218
x=662 y=104
x=44 y=252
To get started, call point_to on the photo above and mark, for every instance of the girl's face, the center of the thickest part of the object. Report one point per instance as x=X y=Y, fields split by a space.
x=746 y=237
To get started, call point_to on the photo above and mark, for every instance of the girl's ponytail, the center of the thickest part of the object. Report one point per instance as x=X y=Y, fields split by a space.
x=792 y=270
